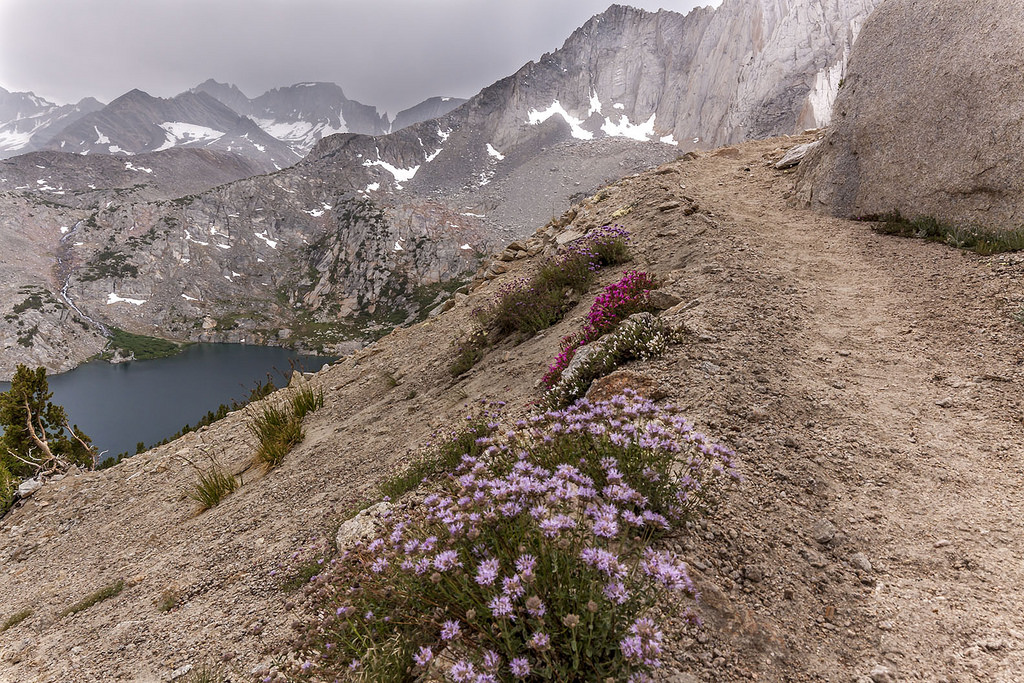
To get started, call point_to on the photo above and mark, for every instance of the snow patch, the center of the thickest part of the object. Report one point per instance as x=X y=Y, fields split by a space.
x=495 y=153
x=64 y=229
x=474 y=215
x=535 y=117
x=186 y=297
x=101 y=139
x=315 y=213
x=224 y=246
x=443 y=134
x=373 y=187
x=669 y=140
x=129 y=166
x=398 y=247
x=595 y=105
x=190 y=238
x=180 y=133
x=431 y=157
x=625 y=129
x=465 y=247
x=401 y=175
x=113 y=298
x=263 y=236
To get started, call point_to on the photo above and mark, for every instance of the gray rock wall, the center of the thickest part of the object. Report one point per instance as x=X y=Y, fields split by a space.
x=930 y=118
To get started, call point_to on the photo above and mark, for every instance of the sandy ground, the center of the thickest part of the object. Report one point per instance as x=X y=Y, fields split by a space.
x=872 y=387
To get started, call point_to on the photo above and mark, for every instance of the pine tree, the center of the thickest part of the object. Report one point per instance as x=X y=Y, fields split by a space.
x=37 y=436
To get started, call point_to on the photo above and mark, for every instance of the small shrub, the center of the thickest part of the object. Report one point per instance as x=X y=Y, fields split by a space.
x=168 y=600
x=469 y=352
x=619 y=300
x=206 y=673
x=306 y=400
x=98 y=596
x=212 y=486
x=277 y=430
x=979 y=240
x=532 y=305
x=530 y=561
x=639 y=337
x=15 y=619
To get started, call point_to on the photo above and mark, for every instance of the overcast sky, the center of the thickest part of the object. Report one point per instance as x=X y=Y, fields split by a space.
x=388 y=53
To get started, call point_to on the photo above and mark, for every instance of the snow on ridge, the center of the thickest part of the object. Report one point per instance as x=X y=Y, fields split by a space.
x=443 y=134
x=101 y=139
x=431 y=157
x=113 y=298
x=625 y=129
x=128 y=165
x=186 y=297
x=180 y=133
x=401 y=175
x=669 y=140
x=264 y=236
x=535 y=117
x=372 y=187
x=495 y=153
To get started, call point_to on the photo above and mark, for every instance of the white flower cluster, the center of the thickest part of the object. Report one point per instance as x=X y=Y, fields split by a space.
x=639 y=337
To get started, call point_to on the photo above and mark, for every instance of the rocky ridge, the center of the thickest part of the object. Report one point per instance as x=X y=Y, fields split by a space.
x=833 y=359
x=879 y=156
x=27 y=122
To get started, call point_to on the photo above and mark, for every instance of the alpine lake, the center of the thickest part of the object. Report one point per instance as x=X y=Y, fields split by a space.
x=119 y=405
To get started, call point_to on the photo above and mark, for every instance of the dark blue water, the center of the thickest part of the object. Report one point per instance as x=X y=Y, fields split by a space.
x=121 y=405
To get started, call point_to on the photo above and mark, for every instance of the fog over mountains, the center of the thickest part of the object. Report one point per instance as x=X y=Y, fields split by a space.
x=355 y=228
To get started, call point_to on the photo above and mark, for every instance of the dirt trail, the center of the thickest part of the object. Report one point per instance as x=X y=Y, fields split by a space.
x=872 y=387
x=898 y=411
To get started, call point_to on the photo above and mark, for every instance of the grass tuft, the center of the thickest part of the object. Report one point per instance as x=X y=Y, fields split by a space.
x=980 y=240
x=212 y=485
x=277 y=430
x=95 y=597
x=305 y=400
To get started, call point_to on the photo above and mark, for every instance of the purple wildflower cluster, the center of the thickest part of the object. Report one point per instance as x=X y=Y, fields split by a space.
x=530 y=561
x=619 y=300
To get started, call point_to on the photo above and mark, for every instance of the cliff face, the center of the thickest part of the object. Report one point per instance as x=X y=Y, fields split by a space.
x=929 y=118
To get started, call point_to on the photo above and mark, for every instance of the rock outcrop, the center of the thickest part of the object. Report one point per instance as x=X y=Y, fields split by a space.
x=929 y=121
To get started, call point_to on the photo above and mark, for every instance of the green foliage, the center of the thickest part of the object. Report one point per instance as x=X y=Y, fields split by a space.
x=108 y=264
x=979 y=240
x=168 y=600
x=29 y=398
x=206 y=673
x=639 y=338
x=277 y=430
x=470 y=352
x=306 y=400
x=15 y=619
x=141 y=346
x=8 y=484
x=211 y=486
x=100 y=595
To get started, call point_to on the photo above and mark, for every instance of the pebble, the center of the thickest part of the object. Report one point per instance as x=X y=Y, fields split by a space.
x=823 y=531
x=941 y=543
x=944 y=402
x=861 y=562
x=882 y=674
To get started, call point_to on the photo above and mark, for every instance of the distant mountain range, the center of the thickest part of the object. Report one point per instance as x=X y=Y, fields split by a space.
x=178 y=235
x=273 y=130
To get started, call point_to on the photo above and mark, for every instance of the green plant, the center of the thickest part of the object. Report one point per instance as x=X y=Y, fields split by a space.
x=142 y=347
x=168 y=600
x=277 y=430
x=977 y=239
x=15 y=619
x=640 y=337
x=305 y=400
x=206 y=673
x=211 y=486
x=469 y=352
x=95 y=597
x=36 y=433
x=445 y=454
x=530 y=562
